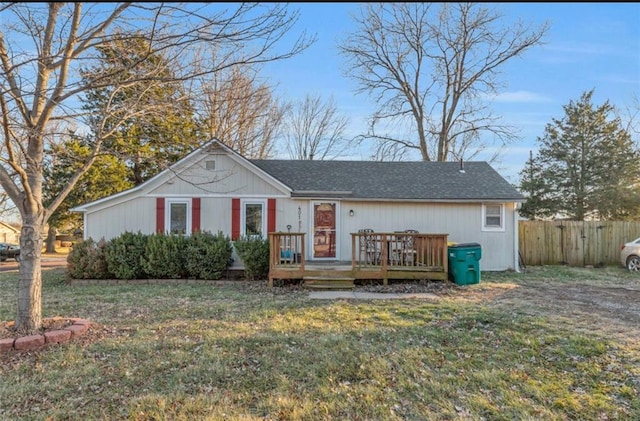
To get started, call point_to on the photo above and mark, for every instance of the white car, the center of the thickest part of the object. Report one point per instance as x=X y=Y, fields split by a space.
x=630 y=255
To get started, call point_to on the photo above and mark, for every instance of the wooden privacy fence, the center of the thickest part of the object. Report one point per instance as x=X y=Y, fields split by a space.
x=574 y=243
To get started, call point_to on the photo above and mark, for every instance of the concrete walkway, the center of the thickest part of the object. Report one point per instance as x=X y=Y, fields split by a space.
x=357 y=295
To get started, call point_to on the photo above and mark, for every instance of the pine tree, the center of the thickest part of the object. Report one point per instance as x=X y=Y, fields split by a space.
x=532 y=185
x=107 y=176
x=587 y=166
x=150 y=141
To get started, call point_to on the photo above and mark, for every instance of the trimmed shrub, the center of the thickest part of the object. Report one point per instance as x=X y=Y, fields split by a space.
x=207 y=255
x=124 y=255
x=254 y=253
x=164 y=256
x=88 y=260
x=77 y=259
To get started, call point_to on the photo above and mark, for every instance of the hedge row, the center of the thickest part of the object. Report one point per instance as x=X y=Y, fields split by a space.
x=158 y=256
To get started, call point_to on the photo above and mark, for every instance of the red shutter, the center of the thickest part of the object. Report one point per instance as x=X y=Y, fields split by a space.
x=235 y=219
x=195 y=214
x=271 y=215
x=160 y=214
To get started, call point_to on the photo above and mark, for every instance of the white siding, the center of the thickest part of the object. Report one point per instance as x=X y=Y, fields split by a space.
x=215 y=215
x=215 y=186
x=462 y=223
x=287 y=214
x=228 y=178
x=134 y=215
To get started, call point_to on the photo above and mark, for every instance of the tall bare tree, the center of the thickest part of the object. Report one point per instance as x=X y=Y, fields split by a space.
x=241 y=111
x=429 y=67
x=630 y=116
x=42 y=49
x=314 y=129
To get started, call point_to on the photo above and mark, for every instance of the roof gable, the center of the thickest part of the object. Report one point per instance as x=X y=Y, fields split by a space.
x=174 y=171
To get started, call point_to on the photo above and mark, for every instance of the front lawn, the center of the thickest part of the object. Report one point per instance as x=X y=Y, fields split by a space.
x=246 y=352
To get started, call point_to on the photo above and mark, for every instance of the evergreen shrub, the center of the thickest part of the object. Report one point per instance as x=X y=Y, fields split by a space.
x=164 y=256
x=124 y=255
x=254 y=253
x=208 y=255
x=87 y=260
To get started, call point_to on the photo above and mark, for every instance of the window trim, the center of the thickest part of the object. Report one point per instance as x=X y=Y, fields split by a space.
x=167 y=214
x=502 y=226
x=243 y=215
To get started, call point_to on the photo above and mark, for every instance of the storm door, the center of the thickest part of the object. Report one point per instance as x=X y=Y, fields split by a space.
x=324 y=230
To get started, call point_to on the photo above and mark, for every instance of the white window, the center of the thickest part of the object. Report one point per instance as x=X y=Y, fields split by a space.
x=493 y=217
x=178 y=216
x=254 y=218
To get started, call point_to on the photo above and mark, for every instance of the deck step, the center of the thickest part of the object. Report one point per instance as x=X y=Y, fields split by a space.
x=326 y=282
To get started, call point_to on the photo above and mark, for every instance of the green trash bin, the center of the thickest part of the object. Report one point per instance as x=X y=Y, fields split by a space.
x=464 y=263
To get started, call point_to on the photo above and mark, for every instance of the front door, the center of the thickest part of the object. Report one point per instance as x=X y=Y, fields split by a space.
x=324 y=230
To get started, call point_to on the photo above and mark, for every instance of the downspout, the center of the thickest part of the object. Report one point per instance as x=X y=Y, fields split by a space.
x=516 y=249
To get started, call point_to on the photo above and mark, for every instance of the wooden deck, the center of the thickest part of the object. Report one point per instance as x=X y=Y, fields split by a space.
x=375 y=256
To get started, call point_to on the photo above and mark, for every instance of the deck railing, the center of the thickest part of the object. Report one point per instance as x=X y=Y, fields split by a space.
x=402 y=250
x=286 y=250
x=380 y=255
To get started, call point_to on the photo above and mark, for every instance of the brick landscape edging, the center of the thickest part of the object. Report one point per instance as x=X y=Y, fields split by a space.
x=31 y=342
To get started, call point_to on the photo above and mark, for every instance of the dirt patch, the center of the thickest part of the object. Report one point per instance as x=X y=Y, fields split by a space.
x=608 y=310
x=433 y=287
x=621 y=303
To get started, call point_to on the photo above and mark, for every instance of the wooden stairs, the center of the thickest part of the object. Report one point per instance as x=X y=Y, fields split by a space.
x=329 y=282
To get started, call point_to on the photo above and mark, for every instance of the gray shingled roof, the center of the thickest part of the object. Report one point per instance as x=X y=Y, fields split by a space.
x=391 y=180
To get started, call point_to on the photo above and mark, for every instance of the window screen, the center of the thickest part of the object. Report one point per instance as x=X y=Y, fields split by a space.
x=493 y=216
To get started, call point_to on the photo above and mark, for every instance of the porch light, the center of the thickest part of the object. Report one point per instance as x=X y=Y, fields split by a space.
x=351 y=212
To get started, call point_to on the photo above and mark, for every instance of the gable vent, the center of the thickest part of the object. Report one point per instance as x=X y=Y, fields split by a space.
x=210 y=165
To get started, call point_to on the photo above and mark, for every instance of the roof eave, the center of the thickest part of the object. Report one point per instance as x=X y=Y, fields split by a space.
x=332 y=195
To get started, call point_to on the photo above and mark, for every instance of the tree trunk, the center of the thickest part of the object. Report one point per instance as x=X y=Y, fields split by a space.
x=51 y=239
x=29 y=318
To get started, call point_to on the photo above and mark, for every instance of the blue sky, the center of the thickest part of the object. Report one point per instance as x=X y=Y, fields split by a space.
x=589 y=46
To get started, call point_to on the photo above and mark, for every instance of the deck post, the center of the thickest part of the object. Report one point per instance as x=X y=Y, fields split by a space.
x=385 y=259
x=272 y=251
x=353 y=250
x=303 y=252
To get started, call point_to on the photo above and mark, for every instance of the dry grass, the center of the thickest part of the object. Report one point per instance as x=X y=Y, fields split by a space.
x=246 y=352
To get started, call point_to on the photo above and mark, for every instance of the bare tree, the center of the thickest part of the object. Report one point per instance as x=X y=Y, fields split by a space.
x=630 y=116
x=315 y=130
x=42 y=49
x=7 y=207
x=429 y=67
x=240 y=111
